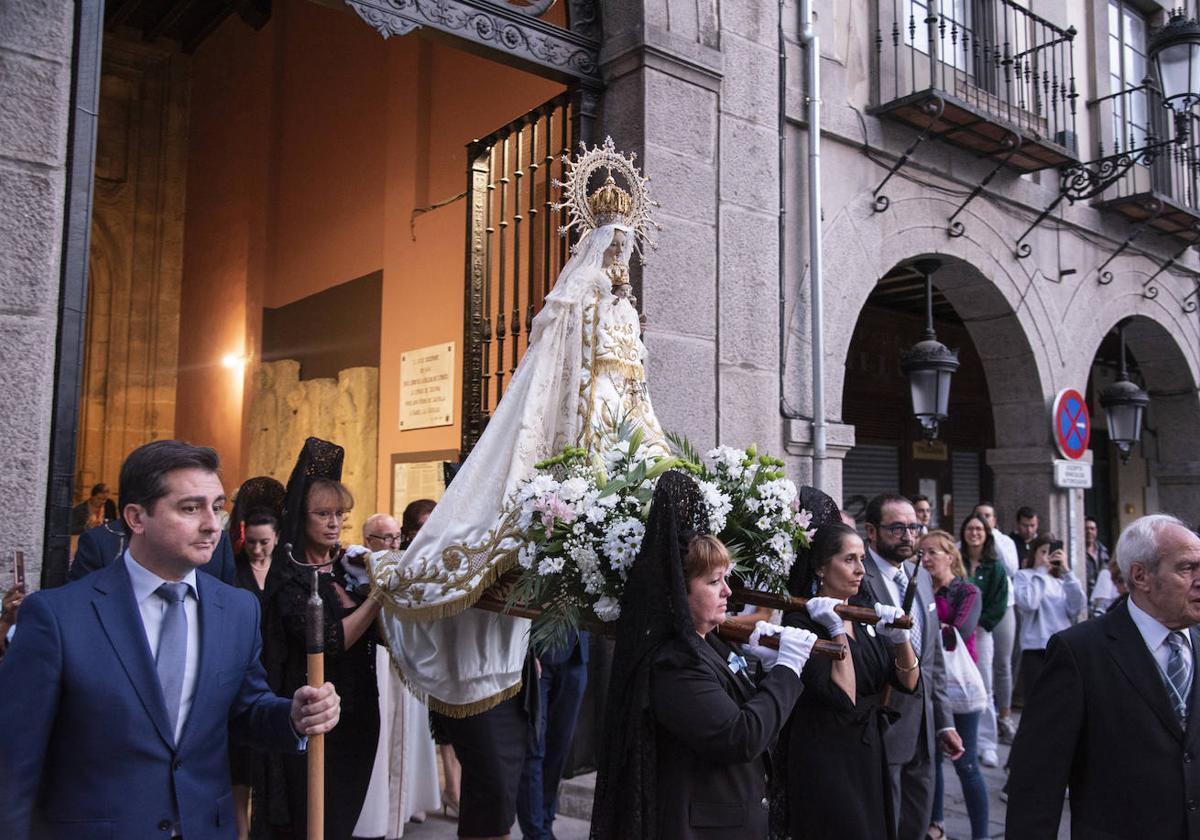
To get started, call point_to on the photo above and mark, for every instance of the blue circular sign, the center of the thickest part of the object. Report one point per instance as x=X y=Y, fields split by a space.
x=1072 y=423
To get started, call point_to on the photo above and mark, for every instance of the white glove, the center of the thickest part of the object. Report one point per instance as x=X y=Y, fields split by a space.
x=765 y=655
x=794 y=647
x=887 y=614
x=353 y=551
x=821 y=611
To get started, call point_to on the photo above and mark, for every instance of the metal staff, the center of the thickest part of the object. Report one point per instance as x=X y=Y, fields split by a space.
x=314 y=649
x=865 y=615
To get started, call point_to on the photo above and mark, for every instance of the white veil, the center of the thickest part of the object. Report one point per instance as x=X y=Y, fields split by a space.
x=463 y=661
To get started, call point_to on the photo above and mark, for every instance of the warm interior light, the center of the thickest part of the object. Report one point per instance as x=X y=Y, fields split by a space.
x=233 y=360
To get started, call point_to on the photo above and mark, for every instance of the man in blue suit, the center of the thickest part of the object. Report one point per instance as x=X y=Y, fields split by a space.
x=120 y=690
x=105 y=544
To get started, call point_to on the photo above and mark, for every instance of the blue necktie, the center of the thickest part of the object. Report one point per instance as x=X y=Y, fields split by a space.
x=902 y=584
x=171 y=657
x=1179 y=672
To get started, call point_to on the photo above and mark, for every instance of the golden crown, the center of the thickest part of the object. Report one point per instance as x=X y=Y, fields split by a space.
x=610 y=204
x=628 y=206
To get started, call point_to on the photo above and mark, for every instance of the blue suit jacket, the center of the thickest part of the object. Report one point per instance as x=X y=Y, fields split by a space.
x=87 y=750
x=100 y=546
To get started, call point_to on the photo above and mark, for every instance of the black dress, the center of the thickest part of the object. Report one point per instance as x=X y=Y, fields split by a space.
x=350 y=747
x=838 y=786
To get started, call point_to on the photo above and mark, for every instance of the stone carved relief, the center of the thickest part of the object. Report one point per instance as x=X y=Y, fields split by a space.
x=282 y=410
x=505 y=27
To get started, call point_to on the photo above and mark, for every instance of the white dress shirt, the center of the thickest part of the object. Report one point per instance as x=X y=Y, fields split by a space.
x=888 y=572
x=153 y=608
x=1155 y=633
x=1007 y=549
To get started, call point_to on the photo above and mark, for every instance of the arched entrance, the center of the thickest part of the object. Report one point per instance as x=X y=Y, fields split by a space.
x=994 y=393
x=1162 y=473
x=291 y=193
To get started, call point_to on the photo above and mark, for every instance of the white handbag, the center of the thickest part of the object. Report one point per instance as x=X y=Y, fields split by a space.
x=964 y=685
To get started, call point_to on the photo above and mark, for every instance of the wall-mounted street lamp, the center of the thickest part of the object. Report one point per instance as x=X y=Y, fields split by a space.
x=1124 y=406
x=929 y=365
x=1174 y=53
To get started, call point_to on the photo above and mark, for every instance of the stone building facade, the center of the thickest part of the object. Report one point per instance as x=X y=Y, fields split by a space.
x=713 y=97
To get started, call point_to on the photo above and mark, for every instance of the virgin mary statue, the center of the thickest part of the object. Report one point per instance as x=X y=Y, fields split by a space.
x=582 y=375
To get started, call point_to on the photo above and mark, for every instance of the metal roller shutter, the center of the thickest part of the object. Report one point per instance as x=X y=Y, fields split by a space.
x=868 y=470
x=965 y=481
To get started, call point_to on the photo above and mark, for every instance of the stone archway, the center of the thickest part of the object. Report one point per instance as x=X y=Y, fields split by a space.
x=1001 y=301
x=1165 y=474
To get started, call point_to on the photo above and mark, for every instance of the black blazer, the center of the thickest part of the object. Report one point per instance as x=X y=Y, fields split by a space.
x=714 y=730
x=1098 y=720
x=100 y=546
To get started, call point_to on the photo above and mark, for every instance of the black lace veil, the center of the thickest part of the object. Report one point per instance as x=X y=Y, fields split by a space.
x=824 y=511
x=654 y=610
x=259 y=493
x=318 y=459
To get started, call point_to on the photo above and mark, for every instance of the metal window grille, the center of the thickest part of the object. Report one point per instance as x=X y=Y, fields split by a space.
x=514 y=250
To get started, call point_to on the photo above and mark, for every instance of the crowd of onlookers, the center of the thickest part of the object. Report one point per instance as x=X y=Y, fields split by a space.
x=992 y=616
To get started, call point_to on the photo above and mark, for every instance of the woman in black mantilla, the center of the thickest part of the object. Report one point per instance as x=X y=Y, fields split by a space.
x=687 y=726
x=314 y=509
x=254 y=534
x=834 y=768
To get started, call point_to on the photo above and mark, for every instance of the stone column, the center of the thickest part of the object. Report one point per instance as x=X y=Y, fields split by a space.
x=1179 y=489
x=35 y=76
x=840 y=439
x=1025 y=476
x=662 y=96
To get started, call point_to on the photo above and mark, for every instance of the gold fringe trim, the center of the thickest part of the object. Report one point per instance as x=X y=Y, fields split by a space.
x=453 y=710
x=476 y=708
x=623 y=369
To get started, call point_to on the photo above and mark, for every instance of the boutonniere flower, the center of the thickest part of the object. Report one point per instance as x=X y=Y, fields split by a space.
x=737 y=662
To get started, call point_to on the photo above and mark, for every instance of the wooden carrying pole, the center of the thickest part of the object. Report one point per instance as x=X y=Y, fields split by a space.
x=865 y=615
x=728 y=631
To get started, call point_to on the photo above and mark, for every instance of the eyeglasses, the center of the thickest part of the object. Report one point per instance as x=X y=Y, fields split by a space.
x=897 y=529
x=391 y=539
x=327 y=515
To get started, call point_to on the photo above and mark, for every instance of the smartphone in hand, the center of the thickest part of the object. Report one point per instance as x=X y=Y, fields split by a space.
x=19 y=568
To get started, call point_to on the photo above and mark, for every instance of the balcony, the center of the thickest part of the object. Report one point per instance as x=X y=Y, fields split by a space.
x=986 y=75
x=1164 y=192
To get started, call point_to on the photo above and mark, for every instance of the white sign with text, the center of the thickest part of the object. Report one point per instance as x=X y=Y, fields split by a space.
x=427 y=387
x=1072 y=474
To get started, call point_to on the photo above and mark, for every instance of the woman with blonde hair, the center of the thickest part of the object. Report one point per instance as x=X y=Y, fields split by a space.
x=958 y=608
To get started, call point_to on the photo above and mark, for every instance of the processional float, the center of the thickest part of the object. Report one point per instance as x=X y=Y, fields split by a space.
x=581 y=380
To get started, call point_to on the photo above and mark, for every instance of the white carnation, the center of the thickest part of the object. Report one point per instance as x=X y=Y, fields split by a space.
x=551 y=566
x=607 y=609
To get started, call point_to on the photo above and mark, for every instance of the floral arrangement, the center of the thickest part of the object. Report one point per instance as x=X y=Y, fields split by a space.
x=584 y=517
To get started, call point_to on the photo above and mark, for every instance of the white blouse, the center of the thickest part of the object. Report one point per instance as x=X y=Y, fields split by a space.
x=1047 y=605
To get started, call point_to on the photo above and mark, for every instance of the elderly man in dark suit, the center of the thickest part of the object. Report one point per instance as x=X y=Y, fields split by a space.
x=1115 y=715
x=120 y=690
x=926 y=722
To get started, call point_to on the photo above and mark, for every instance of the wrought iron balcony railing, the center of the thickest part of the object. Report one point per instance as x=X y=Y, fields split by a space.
x=986 y=74
x=1132 y=119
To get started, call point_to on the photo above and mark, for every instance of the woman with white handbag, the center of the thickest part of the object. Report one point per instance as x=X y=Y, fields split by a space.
x=958 y=608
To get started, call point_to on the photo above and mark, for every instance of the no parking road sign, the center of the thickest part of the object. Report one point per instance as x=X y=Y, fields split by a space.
x=1072 y=425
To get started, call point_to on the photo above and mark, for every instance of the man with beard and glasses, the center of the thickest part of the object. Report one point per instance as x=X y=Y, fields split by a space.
x=925 y=721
